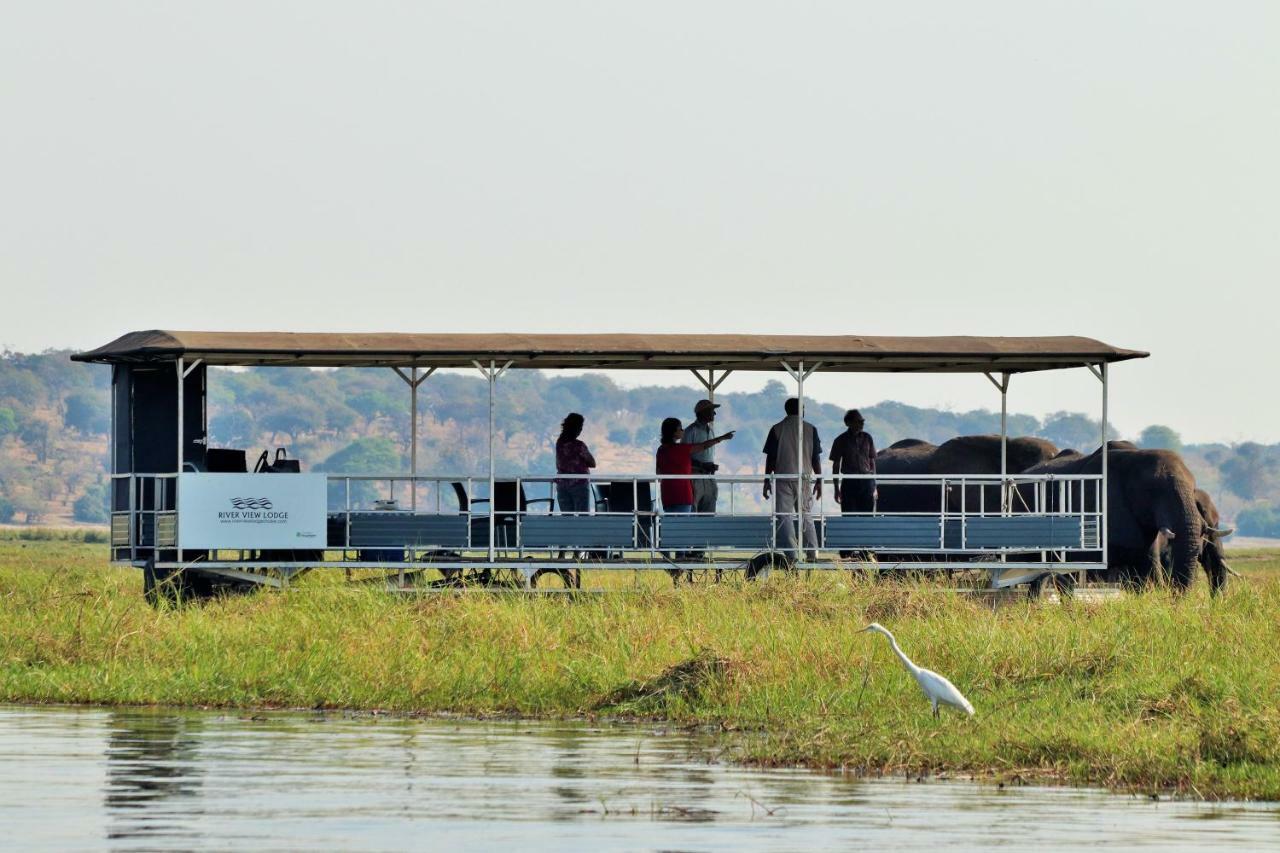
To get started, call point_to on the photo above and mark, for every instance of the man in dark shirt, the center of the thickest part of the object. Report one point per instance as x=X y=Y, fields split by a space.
x=854 y=452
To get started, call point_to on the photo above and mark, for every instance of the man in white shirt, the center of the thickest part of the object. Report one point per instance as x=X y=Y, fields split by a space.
x=702 y=429
x=787 y=443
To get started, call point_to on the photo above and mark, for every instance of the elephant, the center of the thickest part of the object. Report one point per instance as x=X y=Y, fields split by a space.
x=909 y=456
x=1151 y=506
x=966 y=454
x=1213 y=556
x=980 y=454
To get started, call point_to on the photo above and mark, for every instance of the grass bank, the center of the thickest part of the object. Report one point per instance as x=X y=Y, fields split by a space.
x=1150 y=693
x=91 y=535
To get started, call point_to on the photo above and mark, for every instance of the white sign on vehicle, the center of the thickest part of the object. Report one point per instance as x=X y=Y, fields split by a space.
x=252 y=510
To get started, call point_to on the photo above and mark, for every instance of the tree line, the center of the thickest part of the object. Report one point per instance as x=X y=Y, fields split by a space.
x=54 y=416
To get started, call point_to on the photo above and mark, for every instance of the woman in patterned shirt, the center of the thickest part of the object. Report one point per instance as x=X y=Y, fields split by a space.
x=573 y=457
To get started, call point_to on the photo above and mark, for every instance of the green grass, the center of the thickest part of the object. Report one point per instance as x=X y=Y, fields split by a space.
x=92 y=535
x=1151 y=692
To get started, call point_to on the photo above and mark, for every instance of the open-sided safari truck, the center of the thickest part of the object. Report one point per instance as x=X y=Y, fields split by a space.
x=192 y=515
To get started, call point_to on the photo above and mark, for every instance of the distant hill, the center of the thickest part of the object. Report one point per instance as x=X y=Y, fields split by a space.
x=54 y=417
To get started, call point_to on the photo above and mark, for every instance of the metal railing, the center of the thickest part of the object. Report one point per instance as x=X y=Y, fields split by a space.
x=968 y=512
x=143 y=514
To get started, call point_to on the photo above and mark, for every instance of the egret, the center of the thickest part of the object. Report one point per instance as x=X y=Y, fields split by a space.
x=937 y=689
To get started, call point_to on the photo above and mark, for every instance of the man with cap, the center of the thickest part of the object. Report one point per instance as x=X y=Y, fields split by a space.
x=704 y=461
x=854 y=452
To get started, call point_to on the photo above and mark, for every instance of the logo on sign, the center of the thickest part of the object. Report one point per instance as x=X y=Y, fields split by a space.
x=252 y=511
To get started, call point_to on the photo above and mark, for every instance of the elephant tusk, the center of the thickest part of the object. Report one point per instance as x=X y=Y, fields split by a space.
x=1167 y=533
x=1232 y=572
x=1222 y=532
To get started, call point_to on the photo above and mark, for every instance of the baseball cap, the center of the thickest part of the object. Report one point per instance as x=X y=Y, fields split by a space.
x=704 y=406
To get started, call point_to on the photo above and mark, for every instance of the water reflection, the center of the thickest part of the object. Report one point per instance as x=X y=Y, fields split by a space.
x=152 y=757
x=161 y=780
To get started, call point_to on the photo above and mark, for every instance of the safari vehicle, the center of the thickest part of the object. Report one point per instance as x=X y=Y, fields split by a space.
x=189 y=514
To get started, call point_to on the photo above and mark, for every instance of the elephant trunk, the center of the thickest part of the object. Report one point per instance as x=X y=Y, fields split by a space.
x=1215 y=564
x=1184 y=521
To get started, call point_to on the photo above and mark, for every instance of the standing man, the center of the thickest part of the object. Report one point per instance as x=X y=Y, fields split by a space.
x=789 y=439
x=702 y=431
x=854 y=452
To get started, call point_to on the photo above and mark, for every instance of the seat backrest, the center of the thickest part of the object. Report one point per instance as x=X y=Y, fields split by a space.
x=508 y=497
x=464 y=500
x=226 y=460
x=631 y=497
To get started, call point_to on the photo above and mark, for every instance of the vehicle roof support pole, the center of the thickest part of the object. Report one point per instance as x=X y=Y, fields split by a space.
x=492 y=497
x=111 y=438
x=413 y=381
x=178 y=365
x=413 y=442
x=1102 y=498
x=801 y=480
x=1100 y=372
x=492 y=372
x=710 y=383
x=1003 y=387
x=181 y=374
x=802 y=472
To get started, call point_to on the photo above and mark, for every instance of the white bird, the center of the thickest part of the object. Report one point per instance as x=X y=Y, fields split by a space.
x=937 y=689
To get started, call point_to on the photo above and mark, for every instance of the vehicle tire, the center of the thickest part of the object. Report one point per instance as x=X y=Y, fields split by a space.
x=162 y=584
x=1065 y=585
x=766 y=562
x=149 y=583
x=570 y=578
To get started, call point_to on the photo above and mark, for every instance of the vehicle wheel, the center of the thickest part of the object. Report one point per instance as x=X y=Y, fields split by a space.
x=162 y=584
x=464 y=577
x=1065 y=585
x=568 y=578
x=149 y=583
x=765 y=563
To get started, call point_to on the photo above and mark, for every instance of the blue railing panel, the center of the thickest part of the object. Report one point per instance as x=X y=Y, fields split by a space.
x=715 y=531
x=577 y=531
x=885 y=531
x=396 y=529
x=1022 y=531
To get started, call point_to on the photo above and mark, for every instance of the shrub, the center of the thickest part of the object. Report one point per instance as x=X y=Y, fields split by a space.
x=1158 y=437
x=87 y=413
x=92 y=507
x=1260 y=520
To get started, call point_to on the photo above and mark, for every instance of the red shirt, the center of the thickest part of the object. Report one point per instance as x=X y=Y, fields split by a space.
x=676 y=459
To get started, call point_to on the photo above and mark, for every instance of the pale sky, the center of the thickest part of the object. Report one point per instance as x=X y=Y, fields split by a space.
x=1105 y=169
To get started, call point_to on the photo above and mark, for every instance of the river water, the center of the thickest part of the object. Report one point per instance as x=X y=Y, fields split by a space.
x=162 y=780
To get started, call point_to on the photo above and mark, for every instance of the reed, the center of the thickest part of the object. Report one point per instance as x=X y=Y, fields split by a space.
x=1152 y=692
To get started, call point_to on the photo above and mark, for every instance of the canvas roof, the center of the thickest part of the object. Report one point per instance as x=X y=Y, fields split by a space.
x=847 y=353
